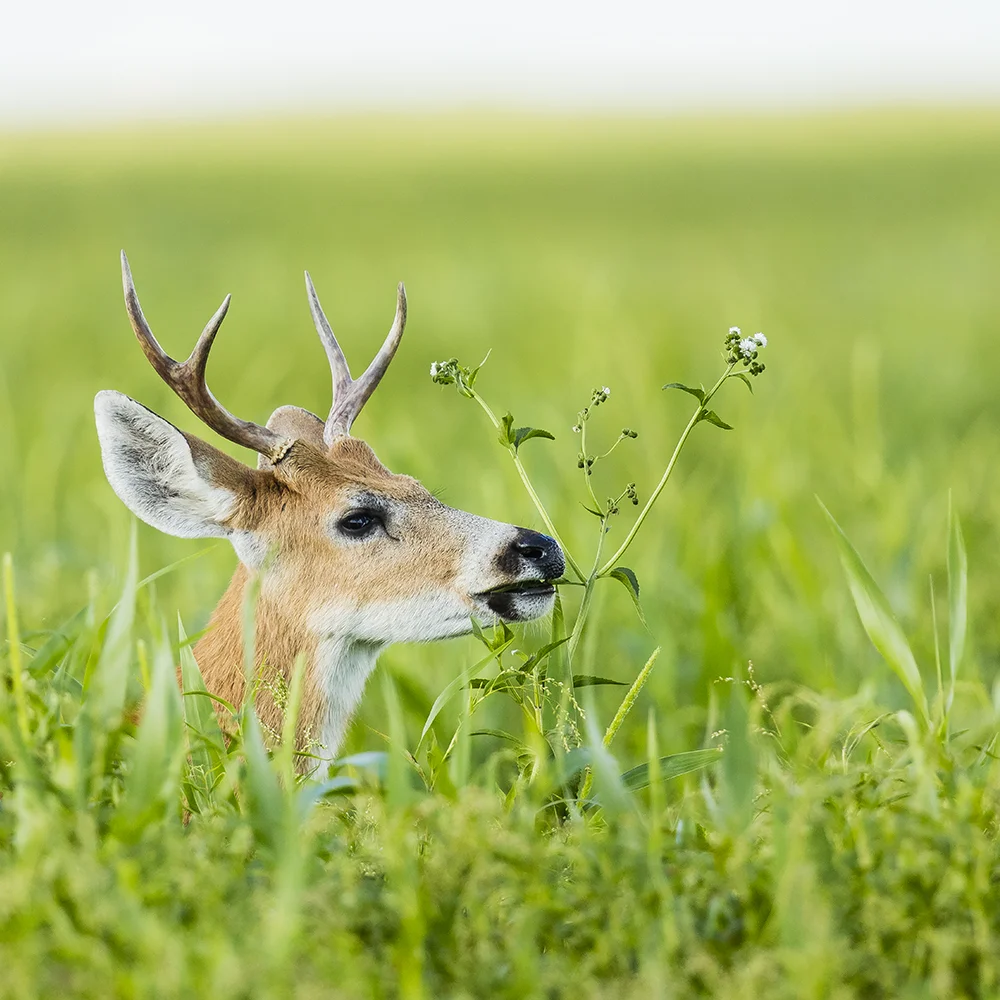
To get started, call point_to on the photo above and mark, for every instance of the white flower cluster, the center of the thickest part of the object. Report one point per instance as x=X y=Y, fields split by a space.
x=748 y=345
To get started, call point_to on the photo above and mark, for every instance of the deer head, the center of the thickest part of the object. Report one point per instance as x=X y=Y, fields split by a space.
x=351 y=556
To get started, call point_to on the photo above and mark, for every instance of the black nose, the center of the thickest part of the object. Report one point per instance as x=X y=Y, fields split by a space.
x=534 y=552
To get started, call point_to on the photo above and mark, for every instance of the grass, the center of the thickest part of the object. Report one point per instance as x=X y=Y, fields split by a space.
x=845 y=844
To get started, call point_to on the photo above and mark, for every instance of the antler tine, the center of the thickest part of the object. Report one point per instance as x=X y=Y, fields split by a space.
x=350 y=398
x=187 y=378
x=339 y=368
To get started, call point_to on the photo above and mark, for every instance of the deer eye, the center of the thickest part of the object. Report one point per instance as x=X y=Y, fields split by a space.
x=359 y=523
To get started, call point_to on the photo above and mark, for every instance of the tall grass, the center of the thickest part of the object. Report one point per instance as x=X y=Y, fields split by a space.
x=835 y=848
x=843 y=840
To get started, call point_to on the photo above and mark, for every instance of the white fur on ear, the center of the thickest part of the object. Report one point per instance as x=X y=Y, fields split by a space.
x=150 y=466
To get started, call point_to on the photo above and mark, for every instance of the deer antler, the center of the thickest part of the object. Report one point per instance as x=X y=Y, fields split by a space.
x=350 y=395
x=187 y=378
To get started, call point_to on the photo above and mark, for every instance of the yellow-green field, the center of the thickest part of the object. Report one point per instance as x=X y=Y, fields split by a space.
x=582 y=253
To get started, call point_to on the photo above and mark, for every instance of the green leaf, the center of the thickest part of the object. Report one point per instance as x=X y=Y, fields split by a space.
x=590 y=510
x=523 y=753
x=507 y=680
x=205 y=743
x=500 y=637
x=630 y=582
x=542 y=654
x=699 y=394
x=376 y=761
x=738 y=780
x=107 y=683
x=263 y=800
x=877 y=618
x=52 y=650
x=609 y=791
x=500 y=734
x=713 y=418
x=526 y=433
x=507 y=430
x=627 y=577
x=163 y=571
x=474 y=374
x=456 y=685
x=589 y=680
x=958 y=588
x=558 y=665
x=671 y=766
x=155 y=772
x=743 y=377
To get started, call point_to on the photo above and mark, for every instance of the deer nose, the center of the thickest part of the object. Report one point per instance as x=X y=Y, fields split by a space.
x=541 y=553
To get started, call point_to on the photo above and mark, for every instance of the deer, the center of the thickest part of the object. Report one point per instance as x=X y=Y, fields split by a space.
x=347 y=557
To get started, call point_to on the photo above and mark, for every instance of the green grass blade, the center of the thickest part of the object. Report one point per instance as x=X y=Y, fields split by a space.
x=604 y=773
x=878 y=620
x=397 y=784
x=738 y=775
x=206 y=746
x=652 y=778
x=456 y=685
x=671 y=766
x=628 y=702
x=263 y=799
x=55 y=647
x=285 y=757
x=14 y=646
x=958 y=595
x=165 y=570
x=153 y=780
x=107 y=683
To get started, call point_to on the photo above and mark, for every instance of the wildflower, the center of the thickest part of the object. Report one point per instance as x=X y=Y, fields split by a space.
x=761 y=339
x=734 y=331
x=576 y=428
x=747 y=347
x=448 y=372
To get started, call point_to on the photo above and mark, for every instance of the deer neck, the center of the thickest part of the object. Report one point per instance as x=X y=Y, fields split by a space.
x=337 y=666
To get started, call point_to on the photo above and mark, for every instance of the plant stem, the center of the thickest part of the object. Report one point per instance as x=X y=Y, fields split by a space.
x=14 y=645
x=535 y=498
x=588 y=594
x=587 y=475
x=695 y=417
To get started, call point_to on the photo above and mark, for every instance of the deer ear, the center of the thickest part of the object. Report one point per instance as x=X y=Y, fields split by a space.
x=171 y=480
x=296 y=423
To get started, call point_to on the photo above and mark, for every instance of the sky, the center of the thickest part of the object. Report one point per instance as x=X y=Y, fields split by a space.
x=106 y=60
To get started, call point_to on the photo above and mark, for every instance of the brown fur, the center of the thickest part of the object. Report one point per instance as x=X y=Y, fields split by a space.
x=291 y=505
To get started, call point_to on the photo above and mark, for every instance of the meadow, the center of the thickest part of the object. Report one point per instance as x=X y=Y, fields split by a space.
x=844 y=843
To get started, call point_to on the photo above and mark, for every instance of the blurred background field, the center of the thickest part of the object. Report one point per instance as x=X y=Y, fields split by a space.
x=582 y=251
